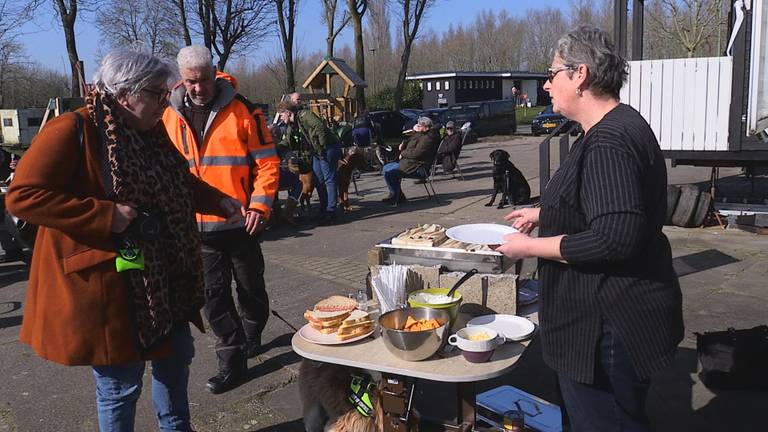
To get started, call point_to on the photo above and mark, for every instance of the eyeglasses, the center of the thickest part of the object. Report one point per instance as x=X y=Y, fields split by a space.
x=552 y=72
x=161 y=95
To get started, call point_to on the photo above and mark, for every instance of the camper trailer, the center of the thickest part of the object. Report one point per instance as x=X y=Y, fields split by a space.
x=19 y=126
x=706 y=111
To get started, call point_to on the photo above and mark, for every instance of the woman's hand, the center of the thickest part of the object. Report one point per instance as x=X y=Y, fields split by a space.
x=122 y=216
x=525 y=219
x=233 y=209
x=516 y=246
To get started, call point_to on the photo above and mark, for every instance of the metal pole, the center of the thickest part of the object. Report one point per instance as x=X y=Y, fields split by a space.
x=373 y=70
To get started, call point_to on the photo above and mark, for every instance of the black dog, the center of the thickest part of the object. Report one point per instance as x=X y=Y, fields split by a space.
x=508 y=180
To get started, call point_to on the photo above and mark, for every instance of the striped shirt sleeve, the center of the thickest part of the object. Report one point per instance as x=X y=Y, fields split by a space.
x=611 y=197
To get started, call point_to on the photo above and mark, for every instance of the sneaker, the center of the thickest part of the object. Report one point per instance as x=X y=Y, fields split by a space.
x=389 y=200
x=225 y=381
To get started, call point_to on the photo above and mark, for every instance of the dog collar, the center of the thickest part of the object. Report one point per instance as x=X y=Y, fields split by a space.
x=360 y=395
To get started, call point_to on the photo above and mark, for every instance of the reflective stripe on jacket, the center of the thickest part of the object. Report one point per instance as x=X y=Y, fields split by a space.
x=237 y=155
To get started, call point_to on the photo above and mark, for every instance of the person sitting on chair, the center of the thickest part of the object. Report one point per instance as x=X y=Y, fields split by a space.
x=449 y=149
x=416 y=156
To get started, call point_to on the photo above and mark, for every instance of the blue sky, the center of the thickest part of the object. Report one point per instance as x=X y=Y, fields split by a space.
x=44 y=40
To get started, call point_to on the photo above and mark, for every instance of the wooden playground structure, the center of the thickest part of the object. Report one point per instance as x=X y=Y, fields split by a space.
x=321 y=100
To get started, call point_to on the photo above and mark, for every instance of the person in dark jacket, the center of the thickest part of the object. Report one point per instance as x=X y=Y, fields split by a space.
x=416 y=157
x=449 y=148
x=611 y=309
x=325 y=148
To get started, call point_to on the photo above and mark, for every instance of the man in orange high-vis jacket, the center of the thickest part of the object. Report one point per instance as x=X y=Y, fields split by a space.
x=227 y=144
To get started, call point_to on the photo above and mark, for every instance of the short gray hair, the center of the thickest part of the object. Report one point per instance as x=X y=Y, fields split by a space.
x=595 y=49
x=194 y=57
x=128 y=72
x=425 y=121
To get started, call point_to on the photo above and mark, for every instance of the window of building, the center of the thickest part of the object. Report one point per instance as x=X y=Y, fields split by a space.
x=429 y=85
x=447 y=85
x=471 y=84
x=437 y=85
x=493 y=84
x=421 y=85
x=7 y=122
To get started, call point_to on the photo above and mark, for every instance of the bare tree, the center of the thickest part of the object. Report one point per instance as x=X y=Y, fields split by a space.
x=67 y=12
x=181 y=8
x=690 y=23
x=333 y=23
x=286 y=21
x=147 y=24
x=544 y=28
x=231 y=27
x=411 y=14
x=379 y=41
x=357 y=9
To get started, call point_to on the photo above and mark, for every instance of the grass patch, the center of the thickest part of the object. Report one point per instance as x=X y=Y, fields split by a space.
x=525 y=115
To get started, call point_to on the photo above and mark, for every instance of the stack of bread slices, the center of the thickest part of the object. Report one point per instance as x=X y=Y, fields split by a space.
x=337 y=314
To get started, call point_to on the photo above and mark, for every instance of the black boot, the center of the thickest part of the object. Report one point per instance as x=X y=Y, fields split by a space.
x=226 y=380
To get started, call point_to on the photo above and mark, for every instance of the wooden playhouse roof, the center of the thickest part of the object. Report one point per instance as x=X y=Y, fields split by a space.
x=333 y=66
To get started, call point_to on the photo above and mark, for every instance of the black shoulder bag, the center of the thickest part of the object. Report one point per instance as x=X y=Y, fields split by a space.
x=734 y=359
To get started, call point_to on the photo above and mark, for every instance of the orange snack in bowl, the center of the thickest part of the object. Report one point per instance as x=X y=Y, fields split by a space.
x=412 y=324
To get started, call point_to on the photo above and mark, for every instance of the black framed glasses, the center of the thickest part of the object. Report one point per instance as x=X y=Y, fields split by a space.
x=161 y=95
x=552 y=72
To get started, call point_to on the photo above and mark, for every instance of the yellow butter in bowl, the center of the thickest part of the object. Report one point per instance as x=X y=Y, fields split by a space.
x=479 y=337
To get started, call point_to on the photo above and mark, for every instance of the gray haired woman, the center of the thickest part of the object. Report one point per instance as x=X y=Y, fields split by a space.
x=417 y=154
x=116 y=274
x=611 y=307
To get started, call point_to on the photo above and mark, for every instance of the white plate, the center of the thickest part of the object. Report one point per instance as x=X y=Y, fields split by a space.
x=483 y=233
x=514 y=328
x=309 y=334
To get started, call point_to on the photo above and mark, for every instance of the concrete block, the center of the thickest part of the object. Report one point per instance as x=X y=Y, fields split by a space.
x=497 y=292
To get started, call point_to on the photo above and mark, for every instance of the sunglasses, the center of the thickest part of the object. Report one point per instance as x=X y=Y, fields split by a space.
x=552 y=72
x=161 y=95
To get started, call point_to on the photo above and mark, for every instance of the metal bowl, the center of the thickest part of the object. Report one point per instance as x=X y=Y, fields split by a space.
x=415 y=345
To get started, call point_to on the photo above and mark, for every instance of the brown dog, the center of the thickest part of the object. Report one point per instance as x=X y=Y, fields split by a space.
x=353 y=159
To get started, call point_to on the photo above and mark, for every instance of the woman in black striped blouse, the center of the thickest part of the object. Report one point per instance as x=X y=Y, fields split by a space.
x=611 y=312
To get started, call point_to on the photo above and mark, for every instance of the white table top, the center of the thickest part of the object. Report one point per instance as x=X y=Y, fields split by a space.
x=371 y=353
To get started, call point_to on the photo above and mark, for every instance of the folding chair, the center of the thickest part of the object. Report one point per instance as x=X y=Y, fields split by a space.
x=456 y=163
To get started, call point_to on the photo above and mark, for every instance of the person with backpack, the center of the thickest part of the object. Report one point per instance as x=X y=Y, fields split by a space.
x=325 y=149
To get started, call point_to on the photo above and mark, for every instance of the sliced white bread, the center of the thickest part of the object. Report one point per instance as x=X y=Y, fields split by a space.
x=343 y=330
x=357 y=316
x=336 y=303
x=354 y=331
x=326 y=318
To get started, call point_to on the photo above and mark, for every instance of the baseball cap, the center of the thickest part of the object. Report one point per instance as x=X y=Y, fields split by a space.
x=450 y=124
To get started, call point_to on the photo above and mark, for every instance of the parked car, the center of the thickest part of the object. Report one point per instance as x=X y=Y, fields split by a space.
x=486 y=117
x=436 y=114
x=546 y=121
x=390 y=124
x=411 y=113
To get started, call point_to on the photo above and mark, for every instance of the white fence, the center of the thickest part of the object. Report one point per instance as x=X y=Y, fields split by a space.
x=686 y=101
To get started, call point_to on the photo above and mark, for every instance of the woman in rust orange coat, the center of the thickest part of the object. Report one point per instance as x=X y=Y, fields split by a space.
x=116 y=273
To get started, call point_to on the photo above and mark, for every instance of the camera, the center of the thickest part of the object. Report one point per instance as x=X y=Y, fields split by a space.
x=147 y=225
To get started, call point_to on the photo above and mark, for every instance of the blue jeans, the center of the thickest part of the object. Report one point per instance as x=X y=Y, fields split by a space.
x=393 y=175
x=324 y=174
x=292 y=182
x=616 y=400
x=118 y=387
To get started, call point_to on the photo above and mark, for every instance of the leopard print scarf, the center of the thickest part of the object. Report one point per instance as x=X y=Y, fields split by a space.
x=147 y=170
